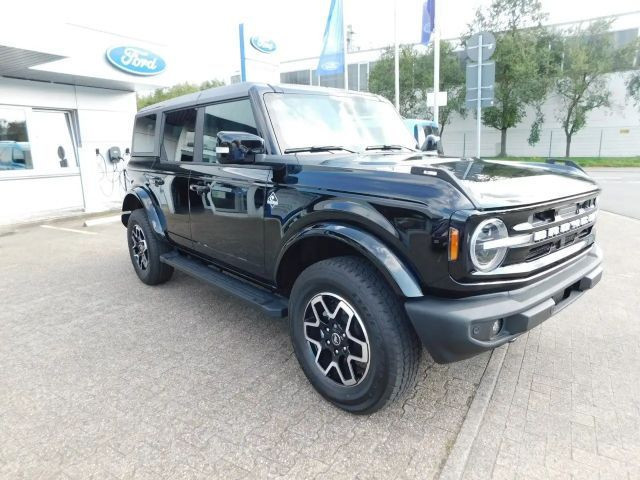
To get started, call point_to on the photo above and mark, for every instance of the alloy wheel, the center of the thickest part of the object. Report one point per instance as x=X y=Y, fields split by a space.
x=139 y=248
x=337 y=338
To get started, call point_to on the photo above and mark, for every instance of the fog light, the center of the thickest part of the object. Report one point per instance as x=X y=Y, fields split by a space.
x=496 y=327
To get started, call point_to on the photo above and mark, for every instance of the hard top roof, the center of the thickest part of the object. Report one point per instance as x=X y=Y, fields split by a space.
x=239 y=90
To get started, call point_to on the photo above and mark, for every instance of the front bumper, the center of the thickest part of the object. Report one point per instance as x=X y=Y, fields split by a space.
x=455 y=329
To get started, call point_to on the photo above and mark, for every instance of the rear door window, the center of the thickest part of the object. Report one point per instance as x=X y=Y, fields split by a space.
x=178 y=136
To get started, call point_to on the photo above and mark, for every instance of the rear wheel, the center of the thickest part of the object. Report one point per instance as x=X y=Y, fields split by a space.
x=145 y=249
x=351 y=335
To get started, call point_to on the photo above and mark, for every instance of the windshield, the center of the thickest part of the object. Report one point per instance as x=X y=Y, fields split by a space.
x=352 y=122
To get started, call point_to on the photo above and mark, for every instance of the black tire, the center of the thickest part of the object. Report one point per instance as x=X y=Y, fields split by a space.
x=394 y=350
x=152 y=271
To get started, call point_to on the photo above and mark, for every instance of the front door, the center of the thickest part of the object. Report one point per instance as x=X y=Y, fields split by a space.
x=227 y=201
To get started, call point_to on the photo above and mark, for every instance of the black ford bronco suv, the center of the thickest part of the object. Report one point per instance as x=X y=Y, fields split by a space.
x=315 y=204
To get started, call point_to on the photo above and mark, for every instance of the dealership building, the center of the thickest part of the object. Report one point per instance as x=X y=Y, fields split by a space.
x=68 y=95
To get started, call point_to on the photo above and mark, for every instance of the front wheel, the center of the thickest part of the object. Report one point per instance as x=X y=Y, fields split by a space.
x=351 y=335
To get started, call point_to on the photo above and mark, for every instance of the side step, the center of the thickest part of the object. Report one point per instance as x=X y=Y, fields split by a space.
x=272 y=304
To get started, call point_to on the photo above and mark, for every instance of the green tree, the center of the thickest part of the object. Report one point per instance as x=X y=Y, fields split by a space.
x=589 y=55
x=416 y=79
x=161 y=94
x=633 y=88
x=525 y=63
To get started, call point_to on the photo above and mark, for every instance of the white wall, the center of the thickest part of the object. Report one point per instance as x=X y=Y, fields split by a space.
x=105 y=119
x=619 y=127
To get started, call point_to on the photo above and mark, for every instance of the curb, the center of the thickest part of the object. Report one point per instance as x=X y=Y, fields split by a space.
x=457 y=461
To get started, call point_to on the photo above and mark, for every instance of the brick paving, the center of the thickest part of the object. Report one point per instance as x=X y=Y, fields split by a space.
x=104 y=377
x=567 y=400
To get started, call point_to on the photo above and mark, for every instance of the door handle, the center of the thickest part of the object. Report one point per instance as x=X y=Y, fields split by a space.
x=157 y=181
x=200 y=189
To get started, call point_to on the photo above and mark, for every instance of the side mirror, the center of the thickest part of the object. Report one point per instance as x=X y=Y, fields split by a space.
x=238 y=147
x=432 y=144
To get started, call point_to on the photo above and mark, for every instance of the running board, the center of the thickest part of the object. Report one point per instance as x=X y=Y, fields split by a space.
x=272 y=304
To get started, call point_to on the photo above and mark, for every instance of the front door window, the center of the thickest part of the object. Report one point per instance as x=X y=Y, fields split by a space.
x=235 y=116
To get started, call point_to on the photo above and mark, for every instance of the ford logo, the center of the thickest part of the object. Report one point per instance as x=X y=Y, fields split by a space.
x=330 y=66
x=263 y=45
x=137 y=61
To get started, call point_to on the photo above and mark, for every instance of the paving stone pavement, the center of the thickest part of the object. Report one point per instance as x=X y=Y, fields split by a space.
x=567 y=400
x=104 y=377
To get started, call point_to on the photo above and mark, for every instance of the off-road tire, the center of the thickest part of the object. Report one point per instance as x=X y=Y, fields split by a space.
x=394 y=349
x=155 y=272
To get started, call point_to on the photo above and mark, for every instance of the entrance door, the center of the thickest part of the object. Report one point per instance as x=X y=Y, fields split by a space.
x=50 y=130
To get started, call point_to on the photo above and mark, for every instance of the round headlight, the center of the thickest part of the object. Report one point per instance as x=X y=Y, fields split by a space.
x=486 y=257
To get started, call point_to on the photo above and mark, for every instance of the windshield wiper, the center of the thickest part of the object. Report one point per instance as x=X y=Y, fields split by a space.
x=389 y=147
x=323 y=148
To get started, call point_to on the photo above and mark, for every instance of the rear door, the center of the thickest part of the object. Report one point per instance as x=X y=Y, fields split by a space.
x=227 y=200
x=169 y=180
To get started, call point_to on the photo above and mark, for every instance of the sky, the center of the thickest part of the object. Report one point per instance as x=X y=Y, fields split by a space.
x=202 y=36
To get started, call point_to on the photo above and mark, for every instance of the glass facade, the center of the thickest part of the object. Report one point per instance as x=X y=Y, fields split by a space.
x=299 y=77
x=33 y=140
x=358 y=77
x=15 y=150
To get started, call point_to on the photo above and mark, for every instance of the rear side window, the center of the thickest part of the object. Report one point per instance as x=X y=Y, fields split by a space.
x=144 y=134
x=178 y=136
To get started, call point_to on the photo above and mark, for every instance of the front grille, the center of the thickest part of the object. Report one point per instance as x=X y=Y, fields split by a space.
x=537 y=252
x=552 y=228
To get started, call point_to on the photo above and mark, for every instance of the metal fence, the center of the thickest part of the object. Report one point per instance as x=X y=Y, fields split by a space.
x=621 y=141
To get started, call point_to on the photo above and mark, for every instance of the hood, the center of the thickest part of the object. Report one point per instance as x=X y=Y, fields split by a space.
x=487 y=183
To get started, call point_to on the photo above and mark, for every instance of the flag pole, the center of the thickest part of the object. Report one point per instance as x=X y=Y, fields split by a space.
x=344 y=47
x=396 y=65
x=436 y=63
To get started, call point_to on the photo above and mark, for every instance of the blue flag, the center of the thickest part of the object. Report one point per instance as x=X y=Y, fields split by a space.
x=428 y=20
x=332 y=58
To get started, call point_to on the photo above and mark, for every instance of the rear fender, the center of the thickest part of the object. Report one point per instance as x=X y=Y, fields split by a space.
x=140 y=196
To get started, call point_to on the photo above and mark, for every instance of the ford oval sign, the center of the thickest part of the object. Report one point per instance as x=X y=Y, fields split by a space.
x=137 y=61
x=264 y=45
x=330 y=66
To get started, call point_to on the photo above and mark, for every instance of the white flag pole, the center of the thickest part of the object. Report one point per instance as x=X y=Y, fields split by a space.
x=479 y=99
x=397 y=54
x=344 y=47
x=436 y=62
